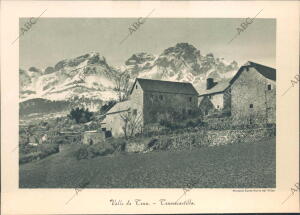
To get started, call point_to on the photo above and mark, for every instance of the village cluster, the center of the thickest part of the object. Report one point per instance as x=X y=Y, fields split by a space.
x=248 y=98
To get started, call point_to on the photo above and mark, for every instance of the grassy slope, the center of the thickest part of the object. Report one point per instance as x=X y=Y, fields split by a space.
x=231 y=166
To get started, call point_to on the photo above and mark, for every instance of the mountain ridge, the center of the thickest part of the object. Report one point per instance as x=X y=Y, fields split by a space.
x=90 y=76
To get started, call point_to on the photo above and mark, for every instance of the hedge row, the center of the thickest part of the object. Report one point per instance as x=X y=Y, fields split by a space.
x=41 y=152
x=108 y=147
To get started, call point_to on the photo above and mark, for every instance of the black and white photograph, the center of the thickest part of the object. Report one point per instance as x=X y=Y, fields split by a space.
x=147 y=103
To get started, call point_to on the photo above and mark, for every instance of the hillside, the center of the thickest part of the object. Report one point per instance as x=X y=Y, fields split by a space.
x=230 y=166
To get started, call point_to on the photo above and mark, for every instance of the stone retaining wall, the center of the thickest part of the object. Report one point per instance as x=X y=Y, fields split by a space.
x=209 y=138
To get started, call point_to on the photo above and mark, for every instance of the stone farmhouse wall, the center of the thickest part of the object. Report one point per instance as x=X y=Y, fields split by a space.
x=91 y=138
x=137 y=102
x=150 y=105
x=252 y=101
x=216 y=104
x=169 y=104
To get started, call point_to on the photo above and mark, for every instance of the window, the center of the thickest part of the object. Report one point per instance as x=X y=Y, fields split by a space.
x=209 y=97
x=161 y=97
x=218 y=106
x=136 y=86
x=190 y=112
x=134 y=111
x=190 y=99
x=269 y=87
x=151 y=98
x=251 y=105
x=247 y=69
x=108 y=134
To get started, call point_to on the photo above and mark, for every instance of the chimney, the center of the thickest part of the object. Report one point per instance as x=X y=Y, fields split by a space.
x=209 y=83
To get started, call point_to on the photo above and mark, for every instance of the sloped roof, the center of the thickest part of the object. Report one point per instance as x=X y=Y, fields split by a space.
x=219 y=87
x=166 y=86
x=119 y=107
x=267 y=72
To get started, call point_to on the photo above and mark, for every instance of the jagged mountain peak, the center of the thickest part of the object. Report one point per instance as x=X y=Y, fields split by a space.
x=181 y=62
x=185 y=49
x=91 y=76
x=88 y=75
x=139 y=58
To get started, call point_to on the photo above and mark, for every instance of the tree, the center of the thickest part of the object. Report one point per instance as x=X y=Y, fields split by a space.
x=132 y=123
x=107 y=106
x=80 y=115
x=121 y=80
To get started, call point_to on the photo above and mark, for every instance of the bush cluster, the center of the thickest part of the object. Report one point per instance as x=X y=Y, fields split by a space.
x=156 y=144
x=80 y=115
x=39 y=152
x=101 y=149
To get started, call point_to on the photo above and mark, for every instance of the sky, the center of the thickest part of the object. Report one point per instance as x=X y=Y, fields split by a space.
x=51 y=40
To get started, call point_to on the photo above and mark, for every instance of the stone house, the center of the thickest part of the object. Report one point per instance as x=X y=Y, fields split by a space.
x=153 y=98
x=249 y=97
x=113 y=121
x=93 y=137
x=149 y=101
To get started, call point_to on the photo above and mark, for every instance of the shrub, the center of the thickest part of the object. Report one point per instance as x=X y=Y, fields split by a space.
x=99 y=150
x=80 y=115
x=91 y=151
x=26 y=149
x=82 y=152
x=30 y=153
x=118 y=144
x=25 y=158
x=48 y=149
x=163 y=144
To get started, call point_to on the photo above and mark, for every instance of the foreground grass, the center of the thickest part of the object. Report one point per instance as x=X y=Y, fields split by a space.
x=231 y=166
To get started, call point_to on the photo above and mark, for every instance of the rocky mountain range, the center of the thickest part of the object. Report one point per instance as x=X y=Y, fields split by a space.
x=91 y=77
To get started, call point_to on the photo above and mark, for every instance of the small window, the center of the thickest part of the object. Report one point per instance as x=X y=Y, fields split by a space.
x=209 y=97
x=269 y=87
x=134 y=111
x=136 y=86
x=161 y=97
x=108 y=134
x=151 y=98
x=251 y=105
x=190 y=99
x=218 y=106
x=247 y=69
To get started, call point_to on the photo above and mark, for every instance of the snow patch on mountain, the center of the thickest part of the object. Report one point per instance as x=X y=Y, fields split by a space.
x=183 y=62
x=92 y=79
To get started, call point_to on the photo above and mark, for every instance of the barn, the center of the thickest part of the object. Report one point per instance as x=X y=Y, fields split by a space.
x=114 y=121
x=149 y=101
x=249 y=97
x=153 y=99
